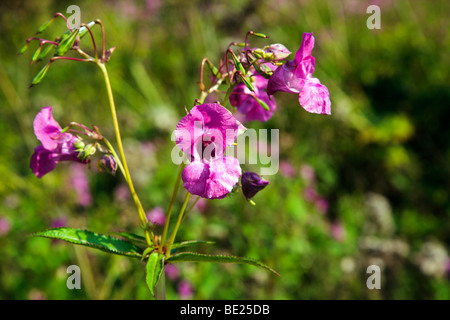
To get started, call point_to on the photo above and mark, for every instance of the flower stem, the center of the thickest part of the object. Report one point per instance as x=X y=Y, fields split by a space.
x=148 y=235
x=177 y=225
x=169 y=210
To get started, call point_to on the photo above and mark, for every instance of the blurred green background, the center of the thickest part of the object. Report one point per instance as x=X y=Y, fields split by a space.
x=380 y=190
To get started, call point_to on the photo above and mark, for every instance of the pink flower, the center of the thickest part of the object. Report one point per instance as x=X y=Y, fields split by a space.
x=322 y=205
x=246 y=101
x=56 y=145
x=185 y=290
x=80 y=184
x=310 y=194
x=295 y=76
x=157 y=216
x=203 y=135
x=337 y=231
x=171 y=271
x=286 y=169
x=4 y=226
x=307 y=173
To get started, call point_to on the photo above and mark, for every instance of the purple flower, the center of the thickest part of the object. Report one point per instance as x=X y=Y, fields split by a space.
x=4 y=226
x=337 y=231
x=172 y=272
x=307 y=173
x=246 y=101
x=322 y=205
x=185 y=289
x=252 y=183
x=310 y=194
x=286 y=169
x=295 y=76
x=203 y=135
x=157 y=216
x=59 y=222
x=80 y=184
x=56 y=145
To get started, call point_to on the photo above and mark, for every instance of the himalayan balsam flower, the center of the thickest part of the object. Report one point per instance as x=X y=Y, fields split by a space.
x=157 y=216
x=172 y=272
x=80 y=183
x=252 y=183
x=245 y=102
x=185 y=290
x=295 y=76
x=56 y=145
x=203 y=135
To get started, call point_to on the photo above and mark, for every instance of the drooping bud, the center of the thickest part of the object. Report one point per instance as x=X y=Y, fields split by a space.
x=252 y=183
x=108 y=164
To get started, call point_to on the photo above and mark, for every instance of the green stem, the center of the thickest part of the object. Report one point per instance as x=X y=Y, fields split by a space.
x=177 y=225
x=190 y=208
x=169 y=210
x=126 y=172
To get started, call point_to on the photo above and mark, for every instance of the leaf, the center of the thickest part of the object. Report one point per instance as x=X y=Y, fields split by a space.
x=190 y=243
x=38 y=78
x=154 y=268
x=94 y=240
x=198 y=257
x=139 y=240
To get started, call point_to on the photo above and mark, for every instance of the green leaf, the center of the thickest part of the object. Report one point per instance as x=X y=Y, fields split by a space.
x=140 y=240
x=94 y=240
x=190 y=243
x=154 y=267
x=67 y=43
x=198 y=257
x=38 y=78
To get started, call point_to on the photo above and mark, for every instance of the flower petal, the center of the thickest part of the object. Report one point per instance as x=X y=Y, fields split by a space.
x=315 y=97
x=211 y=179
x=43 y=161
x=46 y=129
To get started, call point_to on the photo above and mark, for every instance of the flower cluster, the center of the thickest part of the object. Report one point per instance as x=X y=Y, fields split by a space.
x=253 y=96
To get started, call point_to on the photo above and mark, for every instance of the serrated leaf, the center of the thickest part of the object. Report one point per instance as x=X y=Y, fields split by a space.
x=190 y=243
x=154 y=269
x=94 y=240
x=199 y=257
x=38 y=78
x=132 y=237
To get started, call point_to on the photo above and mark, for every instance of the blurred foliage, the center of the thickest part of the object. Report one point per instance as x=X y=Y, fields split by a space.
x=380 y=160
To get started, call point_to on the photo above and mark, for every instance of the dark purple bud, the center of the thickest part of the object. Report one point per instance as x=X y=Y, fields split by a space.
x=252 y=183
x=108 y=164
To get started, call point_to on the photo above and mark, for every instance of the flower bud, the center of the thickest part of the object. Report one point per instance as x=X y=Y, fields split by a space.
x=88 y=151
x=276 y=52
x=252 y=183
x=108 y=164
